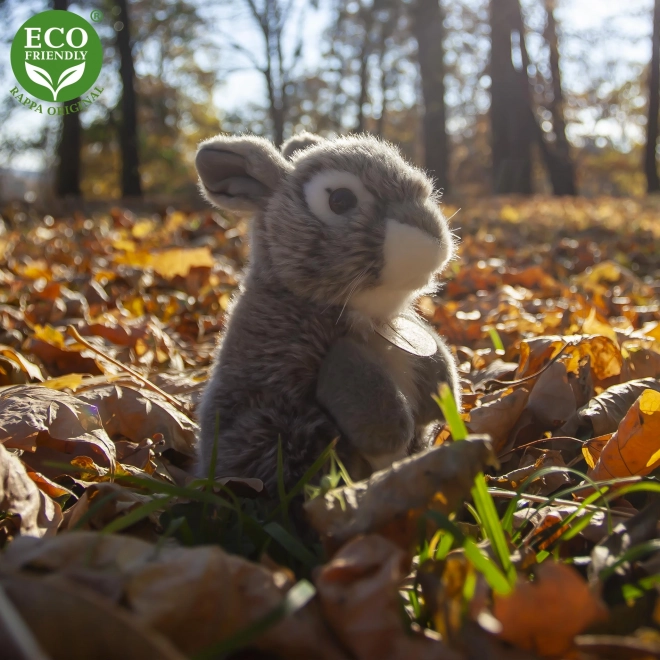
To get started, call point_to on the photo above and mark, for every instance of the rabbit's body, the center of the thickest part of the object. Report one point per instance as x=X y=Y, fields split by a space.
x=302 y=359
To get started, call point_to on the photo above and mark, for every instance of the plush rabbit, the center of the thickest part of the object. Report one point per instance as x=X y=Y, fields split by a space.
x=322 y=340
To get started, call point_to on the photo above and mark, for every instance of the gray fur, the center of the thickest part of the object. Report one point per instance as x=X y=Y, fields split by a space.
x=299 y=142
x=297 y=361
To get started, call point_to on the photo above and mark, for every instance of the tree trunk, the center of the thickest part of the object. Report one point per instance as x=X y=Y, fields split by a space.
x=512 y=121
x=650 y=164
x=128 y=139
x=367 y=14
x=67 y=175
x=428 y=17
x=560 y=165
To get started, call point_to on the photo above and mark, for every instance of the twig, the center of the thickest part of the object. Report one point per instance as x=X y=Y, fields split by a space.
x=539 y=499
x=71 y=331
x=508 y=383
x=538 y=442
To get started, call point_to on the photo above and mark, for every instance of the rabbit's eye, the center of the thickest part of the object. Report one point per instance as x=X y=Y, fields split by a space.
x=342 y=200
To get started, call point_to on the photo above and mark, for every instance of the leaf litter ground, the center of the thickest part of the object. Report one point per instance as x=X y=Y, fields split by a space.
x=530 y=530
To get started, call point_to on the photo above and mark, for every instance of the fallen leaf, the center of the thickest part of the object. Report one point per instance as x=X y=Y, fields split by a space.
x=545 y=615
x=52 y=425
x=634 y=449
x=118 y=501
x=391 y=500
x=62 y=617
x=138 y=414
x=552 y=400
x=19 y=495
x=605 y=411
x=19 y=362
x=195 y=597
x=358 y=594
x=498 y=416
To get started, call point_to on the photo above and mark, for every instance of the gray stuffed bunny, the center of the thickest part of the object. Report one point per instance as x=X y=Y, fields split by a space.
x=322 y=340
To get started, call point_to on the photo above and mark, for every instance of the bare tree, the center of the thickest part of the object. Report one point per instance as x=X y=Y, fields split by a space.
x=67 y=174
x=272 y=18
x=366 y=14
x=558 y=161
x=512 y=121
x=131 y=185
x=428 y=28
x=650 y=164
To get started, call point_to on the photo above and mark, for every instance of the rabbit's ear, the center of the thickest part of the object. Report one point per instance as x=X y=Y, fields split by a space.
x=300 y=142
x=239 y=173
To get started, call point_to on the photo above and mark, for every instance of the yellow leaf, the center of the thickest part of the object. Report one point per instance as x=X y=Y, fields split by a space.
x=649 y=402
x=69 y=381
x=171 y=263
x=143 y=228
x=49 y=334
x=124 y=244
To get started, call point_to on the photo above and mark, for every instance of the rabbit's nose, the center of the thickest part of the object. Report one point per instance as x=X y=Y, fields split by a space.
x=423 y=216
x=410 y=254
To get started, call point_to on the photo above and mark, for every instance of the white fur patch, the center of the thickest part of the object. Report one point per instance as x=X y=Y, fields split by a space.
x=319 y=187
x=411 y=257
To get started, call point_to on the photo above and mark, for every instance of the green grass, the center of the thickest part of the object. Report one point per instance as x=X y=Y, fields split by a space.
x=487 y=516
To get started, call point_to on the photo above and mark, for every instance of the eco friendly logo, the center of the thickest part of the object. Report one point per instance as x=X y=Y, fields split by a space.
x=56 y=56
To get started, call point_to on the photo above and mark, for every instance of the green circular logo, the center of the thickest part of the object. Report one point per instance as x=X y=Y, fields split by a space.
x=56 y=56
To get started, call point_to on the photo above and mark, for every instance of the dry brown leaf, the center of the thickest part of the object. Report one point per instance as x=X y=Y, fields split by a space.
x=634 y=449
x=19 y=495
x=196 y=597
x=552 y=400
x=390 y=501
x=358 y=593
x=498 y=416
x=138 y=414
x=119 y=501
x=53 y=425
x=545 y=615
x=16 y=362
x=605 y=411
x=640 y=362
x=71 y=622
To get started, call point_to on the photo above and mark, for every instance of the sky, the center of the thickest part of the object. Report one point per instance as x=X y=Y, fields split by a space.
x=245 y=86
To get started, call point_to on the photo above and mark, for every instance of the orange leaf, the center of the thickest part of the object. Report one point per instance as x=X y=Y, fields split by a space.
x=545 y=615
x=635 y=447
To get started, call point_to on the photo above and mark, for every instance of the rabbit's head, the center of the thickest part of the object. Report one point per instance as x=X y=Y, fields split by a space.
x=345 y=222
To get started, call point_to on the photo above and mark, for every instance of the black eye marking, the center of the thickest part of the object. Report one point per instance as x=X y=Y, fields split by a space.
x=342 y=200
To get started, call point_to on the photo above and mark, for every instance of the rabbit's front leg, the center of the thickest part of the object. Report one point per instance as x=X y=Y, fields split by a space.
x=355 y=388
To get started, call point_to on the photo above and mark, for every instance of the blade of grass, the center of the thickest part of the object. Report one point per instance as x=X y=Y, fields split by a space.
x=444 y=546
x=445 y=400
x=630 y=555
x=210 y=477
x=296 y=598
x=496 y=339
x=305 y=479
x=135 y=515
x=281 y=490
x=482 y=500
x=507 y=519
x=496 y=579
x=291 y=544
x=94 y=509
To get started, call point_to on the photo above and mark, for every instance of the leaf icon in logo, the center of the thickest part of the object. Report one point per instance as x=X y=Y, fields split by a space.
x=43 y=78
x=69 y=77
x=40 y=76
